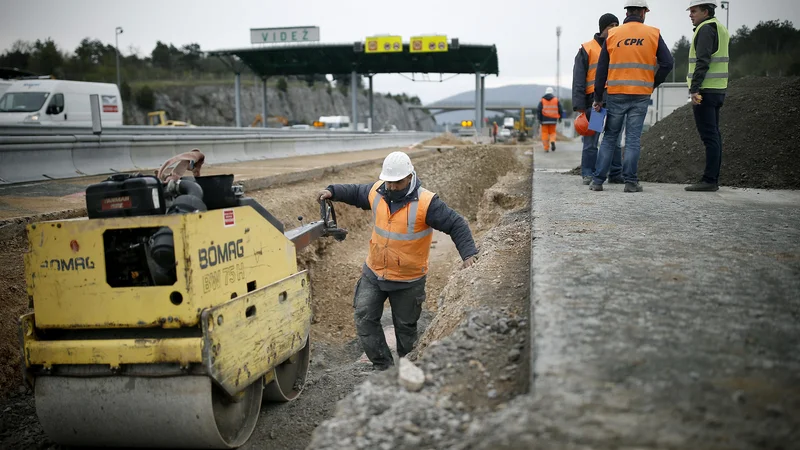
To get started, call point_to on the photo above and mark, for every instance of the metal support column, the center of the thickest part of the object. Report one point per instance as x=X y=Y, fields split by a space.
x=264 y=102
x=238 y=104
x=354 y=96
x=483 y=99
x=371 y=123
x=478 y=102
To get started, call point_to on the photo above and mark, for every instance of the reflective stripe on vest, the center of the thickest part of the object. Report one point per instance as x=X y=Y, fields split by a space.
x=592 y=49
x=400 y=242
x=633 y=64
x=550 y=108
x=717 y=75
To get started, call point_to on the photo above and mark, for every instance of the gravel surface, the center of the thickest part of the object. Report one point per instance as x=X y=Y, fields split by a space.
x=664 y=319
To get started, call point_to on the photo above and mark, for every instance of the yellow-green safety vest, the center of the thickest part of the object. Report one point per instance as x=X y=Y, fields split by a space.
x=717 y=75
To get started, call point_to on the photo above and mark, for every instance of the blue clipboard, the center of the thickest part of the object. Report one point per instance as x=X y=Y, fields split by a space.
x=597 y=120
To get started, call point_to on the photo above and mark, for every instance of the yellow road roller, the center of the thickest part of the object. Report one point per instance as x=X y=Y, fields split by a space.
x=166 y=316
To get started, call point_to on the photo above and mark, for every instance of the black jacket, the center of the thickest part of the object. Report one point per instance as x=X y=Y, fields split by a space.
x=706 y=44
x=663 y=56
x=440 y=217
x=550 y=120
x=580 y=99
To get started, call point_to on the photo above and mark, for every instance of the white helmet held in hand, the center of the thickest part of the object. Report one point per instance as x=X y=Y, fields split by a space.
x=637 y=4
x=396 y=166
x=549 y=91
x=702 y=2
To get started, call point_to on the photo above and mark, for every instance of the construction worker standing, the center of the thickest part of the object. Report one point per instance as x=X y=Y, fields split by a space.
x=708 y=82
x=583 y=75
x=550 y=112
x=404 y=216
x=634 y=60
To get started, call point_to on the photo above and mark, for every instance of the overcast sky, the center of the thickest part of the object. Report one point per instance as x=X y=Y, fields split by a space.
x=523 y=30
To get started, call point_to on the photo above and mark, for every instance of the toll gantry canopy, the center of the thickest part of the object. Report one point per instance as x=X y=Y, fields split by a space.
x=298 y=59
x=312 y=59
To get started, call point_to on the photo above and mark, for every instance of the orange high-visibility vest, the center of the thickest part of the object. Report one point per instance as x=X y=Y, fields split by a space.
x=632 y=50
x=550 y=108
x=592 y=49
x=400 y=242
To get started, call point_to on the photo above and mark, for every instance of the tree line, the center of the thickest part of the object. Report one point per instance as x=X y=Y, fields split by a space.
x=92 y=60
x=770 y=49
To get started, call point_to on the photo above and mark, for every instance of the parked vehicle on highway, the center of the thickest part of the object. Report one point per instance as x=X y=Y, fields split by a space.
x=4 y=85
x=59 y=102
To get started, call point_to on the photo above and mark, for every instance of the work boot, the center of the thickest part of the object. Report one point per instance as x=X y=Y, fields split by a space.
x=633 y=187
x=595 y=187
x=553 y=146
x=703 y=187
x=587 y=181
x=617 y=180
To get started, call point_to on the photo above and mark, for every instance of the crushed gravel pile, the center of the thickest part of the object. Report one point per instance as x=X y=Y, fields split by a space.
x=760 y=133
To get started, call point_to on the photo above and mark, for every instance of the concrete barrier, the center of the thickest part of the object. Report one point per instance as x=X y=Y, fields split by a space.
x=38 y=157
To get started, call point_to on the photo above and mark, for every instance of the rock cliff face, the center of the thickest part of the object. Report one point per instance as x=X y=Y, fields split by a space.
x=213 y=105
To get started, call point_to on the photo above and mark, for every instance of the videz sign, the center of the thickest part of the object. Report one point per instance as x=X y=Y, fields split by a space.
x=283 y=35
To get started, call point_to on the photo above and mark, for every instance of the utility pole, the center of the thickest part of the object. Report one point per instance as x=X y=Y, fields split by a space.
x=726 y=5
x=558 y=62
x=117 y=32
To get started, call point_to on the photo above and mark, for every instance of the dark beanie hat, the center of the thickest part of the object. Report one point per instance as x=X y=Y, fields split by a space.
x=606 y=20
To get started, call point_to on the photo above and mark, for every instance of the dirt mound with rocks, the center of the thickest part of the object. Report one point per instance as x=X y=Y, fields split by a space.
x=446 y=139
x=759 y=125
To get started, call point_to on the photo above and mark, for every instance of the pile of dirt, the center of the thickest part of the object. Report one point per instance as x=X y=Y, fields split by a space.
x=446 y=139
x=759 y=131
x=474 y=352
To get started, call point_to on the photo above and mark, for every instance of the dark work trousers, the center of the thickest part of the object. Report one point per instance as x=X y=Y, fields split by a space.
x=406 y=308
x=706 y=117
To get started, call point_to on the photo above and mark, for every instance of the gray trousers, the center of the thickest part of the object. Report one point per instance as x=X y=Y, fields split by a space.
x=368 y=304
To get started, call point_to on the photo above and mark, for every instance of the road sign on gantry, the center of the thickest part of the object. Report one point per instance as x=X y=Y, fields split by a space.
x=427 y=44
x=384 y=44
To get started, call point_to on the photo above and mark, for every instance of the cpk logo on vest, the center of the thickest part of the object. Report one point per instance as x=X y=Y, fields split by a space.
x=630 y=42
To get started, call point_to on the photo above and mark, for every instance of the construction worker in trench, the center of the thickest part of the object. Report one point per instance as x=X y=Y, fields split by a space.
x=404 y=215
x=708 y=83
x=634 y=60
x=583 y=74
x=549 y=113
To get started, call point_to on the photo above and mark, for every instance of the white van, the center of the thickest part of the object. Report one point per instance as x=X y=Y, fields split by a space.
x=4 y=85
x=58 y=102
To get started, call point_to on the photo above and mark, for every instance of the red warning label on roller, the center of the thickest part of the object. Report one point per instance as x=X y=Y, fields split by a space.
x=116 y=203
x=229 y=217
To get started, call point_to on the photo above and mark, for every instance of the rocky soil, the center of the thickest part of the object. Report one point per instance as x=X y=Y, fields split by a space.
x=213 y=105
x=759 y=130
x=461 y=177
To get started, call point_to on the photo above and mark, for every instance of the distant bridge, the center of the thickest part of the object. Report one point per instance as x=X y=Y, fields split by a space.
x=439 y=108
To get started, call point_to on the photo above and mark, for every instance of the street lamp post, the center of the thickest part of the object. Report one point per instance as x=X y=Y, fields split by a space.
x=726 y=5
x=558 y=62
x=117 y=32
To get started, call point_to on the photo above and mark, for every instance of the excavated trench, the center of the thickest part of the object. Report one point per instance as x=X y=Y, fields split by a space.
x=475 y=319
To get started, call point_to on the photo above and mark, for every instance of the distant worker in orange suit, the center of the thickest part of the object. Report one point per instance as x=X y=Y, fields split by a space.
x=550 y=113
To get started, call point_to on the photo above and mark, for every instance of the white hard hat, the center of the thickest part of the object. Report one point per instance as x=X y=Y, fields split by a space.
x=636 y=4
x=396 y=166
x=549 y=91
x=702 y=2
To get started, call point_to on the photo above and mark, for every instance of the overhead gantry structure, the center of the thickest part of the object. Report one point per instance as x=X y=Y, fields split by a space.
x=303 y=59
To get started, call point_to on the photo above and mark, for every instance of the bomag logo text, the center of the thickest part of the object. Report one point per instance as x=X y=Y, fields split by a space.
x=634 y=41
x=221 y=253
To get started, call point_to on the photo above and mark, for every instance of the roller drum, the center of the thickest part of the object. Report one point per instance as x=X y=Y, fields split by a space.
x=166 y=412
